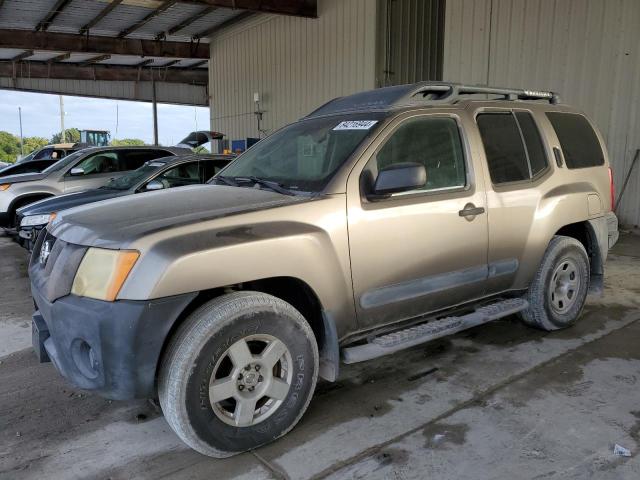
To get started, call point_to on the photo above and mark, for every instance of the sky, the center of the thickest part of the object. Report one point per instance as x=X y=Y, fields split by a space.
x=41 y=117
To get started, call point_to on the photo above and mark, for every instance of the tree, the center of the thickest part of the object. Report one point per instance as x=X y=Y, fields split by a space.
x=72 y=135
x=127 y=142
x=34 y=143
x=200 y=150
x=9 y=147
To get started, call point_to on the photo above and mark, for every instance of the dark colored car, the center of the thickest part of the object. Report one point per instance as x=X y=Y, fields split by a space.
x=156 y=174
x=30 y=166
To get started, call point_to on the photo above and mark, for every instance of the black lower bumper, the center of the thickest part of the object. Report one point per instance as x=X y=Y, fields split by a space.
x=5 y=219
x=112 y=348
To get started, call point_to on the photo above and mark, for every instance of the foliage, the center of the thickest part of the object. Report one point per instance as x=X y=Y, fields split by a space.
x=200 y=150
x=127 y=142
x=10 y=146
x=72 y=135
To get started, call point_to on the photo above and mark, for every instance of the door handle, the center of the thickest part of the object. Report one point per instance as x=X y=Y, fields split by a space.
x=470 y=210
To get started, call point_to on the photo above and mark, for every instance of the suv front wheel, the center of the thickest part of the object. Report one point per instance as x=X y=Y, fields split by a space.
x=558 y=292
x=239 y=373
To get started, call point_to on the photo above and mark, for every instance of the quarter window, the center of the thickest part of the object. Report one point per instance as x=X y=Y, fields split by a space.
x=579 y=142
x=431 y=141
x=513 y=146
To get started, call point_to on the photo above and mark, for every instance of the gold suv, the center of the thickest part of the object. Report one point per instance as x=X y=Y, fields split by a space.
x=380 y=221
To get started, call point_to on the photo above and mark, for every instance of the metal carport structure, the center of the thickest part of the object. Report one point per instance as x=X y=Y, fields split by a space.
x=142 y=50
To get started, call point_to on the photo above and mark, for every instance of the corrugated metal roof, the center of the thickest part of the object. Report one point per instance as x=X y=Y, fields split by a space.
x=26 y=14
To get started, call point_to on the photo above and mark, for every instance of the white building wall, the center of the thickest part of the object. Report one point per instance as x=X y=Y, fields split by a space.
x=296 y=64
x=587 y=50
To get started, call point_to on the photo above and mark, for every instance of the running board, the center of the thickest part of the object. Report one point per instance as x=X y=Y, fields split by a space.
x=425 y=332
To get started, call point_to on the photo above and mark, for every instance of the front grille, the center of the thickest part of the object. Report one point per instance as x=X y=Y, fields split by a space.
x=54 y=264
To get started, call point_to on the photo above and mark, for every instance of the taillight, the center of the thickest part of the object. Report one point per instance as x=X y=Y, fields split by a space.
x=612 y=188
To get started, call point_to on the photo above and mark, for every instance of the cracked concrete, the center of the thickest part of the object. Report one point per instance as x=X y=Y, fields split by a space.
x=497 y=401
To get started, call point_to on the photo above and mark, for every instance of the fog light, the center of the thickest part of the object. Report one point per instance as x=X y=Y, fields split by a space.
x=85 y=358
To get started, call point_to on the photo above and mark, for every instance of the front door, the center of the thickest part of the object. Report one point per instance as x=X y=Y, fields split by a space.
x=415 y=252
x=92 y=172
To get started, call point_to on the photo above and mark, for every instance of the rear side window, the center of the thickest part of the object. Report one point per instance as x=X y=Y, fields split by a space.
x=133 y=159
x=579 y=142
x=533 y=142
x=513 y=146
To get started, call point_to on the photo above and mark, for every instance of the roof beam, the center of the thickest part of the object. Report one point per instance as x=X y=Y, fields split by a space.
x=98 y=59
x=212 y=30
x=164 y=6
x=95 y=20
x=185 y=23
x=296 y=8
x=22 y=56
x=144 y=63
x=68 y=42
x=51 y=15
x=169 y=64
x=71 y=71
x=197 y=64
x=60 y=58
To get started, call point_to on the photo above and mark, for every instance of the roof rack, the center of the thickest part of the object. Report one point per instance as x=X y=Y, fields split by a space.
x=431 y=93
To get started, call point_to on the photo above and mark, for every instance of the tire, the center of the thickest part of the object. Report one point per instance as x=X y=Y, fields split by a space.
x=207 y=355
x=559 y=289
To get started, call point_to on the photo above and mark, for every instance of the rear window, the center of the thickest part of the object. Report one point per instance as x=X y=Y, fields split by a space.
x=133 y=159
x=579 y=142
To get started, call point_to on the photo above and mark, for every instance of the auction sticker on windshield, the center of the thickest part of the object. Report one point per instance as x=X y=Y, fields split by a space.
x=356 y=125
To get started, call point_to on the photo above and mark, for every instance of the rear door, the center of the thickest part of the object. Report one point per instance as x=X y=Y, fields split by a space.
x=517 y=163
x=210 y=168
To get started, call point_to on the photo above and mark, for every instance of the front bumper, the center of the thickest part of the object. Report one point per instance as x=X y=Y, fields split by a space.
x=112 y=348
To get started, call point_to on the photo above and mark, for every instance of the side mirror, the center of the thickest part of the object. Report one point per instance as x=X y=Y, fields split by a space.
x=400 y=177
x=154 y=185
x=77 y=171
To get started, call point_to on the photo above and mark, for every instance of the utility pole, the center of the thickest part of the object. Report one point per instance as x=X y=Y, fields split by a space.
x=155 y=111
x=63 y=137
x=21 y=137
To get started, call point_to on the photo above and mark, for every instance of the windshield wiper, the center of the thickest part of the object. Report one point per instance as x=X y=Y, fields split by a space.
x=226 y=180
x=275 y=186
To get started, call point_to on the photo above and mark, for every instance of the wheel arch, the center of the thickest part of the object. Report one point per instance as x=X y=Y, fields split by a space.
x=589 y=234
x=292 y=290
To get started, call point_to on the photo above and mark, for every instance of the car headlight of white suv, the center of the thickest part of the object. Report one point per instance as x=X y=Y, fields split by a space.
x=35 y=220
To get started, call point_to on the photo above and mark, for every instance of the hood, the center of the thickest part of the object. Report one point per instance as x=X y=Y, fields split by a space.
x=64 y=202
x=118 y=222
x=195 y=139
x=22 y=177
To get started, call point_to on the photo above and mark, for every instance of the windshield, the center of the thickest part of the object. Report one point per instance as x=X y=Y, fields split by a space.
x=305 y=155
x=66 y=161
x=131 y=179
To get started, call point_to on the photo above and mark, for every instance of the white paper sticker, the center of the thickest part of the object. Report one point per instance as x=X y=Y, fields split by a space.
x=356 y=125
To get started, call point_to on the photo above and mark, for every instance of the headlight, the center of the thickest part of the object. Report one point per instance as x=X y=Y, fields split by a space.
x=103 y=272
x=4 y=186
x=34 y=220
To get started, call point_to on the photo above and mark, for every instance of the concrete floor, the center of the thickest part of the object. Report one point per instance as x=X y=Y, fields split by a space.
x=499 y=401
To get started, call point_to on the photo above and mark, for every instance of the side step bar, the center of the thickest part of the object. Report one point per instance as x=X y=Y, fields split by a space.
x=425 y=332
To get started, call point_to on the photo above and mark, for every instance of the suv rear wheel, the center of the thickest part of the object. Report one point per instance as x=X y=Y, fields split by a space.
x=559 y=290
x=239 y=373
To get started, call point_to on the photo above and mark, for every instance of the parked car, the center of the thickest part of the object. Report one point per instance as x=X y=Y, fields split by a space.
x=154 y=175
x=56 y=151
x=380 y=221
x=83 y=170
x=30 y=166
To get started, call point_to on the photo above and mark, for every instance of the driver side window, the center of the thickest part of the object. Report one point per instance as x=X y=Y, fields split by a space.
x=431 y=141
x=104 y=162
